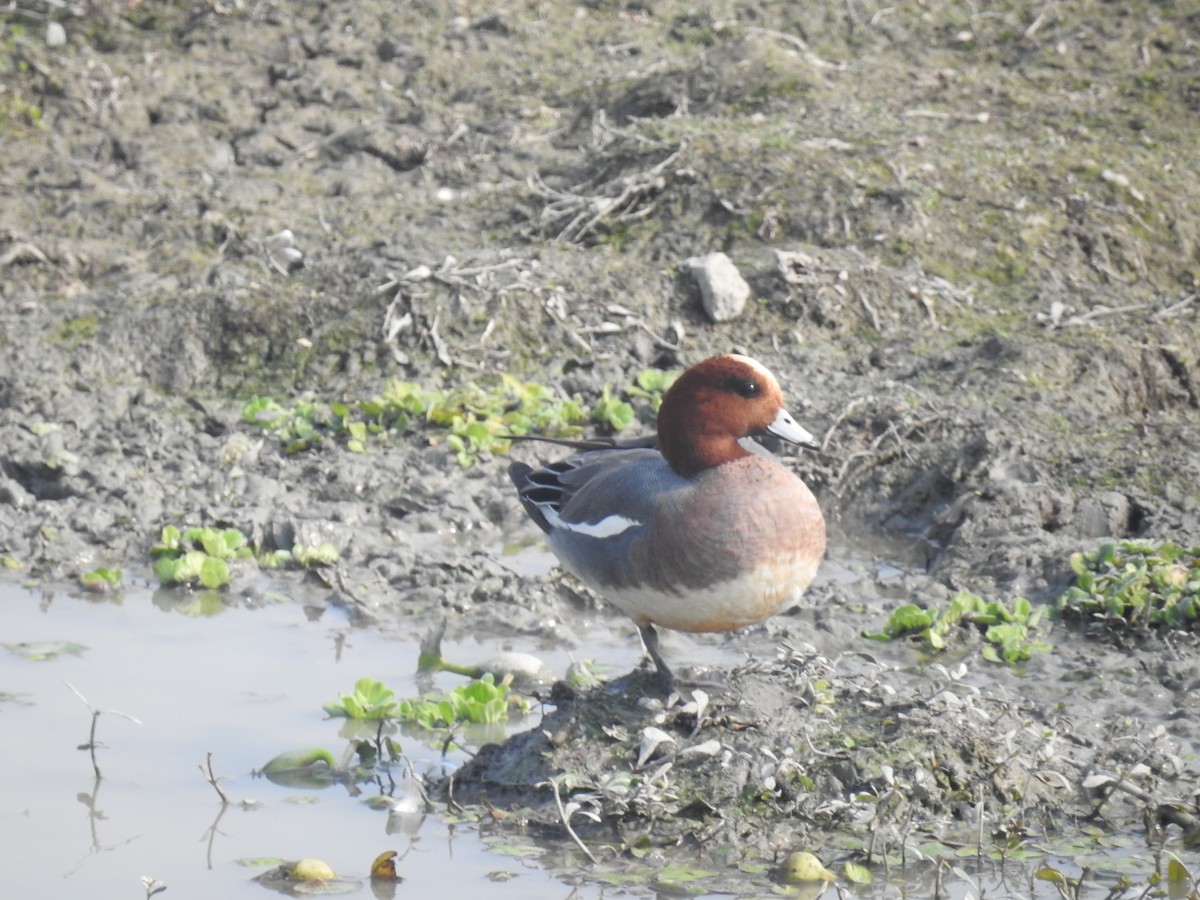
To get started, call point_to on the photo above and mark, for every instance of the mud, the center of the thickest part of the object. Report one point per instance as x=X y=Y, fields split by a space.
x=972 y=240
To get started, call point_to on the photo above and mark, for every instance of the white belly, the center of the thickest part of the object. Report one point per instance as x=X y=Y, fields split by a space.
x=732 y=604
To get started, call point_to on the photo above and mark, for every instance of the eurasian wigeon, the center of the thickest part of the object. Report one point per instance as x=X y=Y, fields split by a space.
x=701 y=530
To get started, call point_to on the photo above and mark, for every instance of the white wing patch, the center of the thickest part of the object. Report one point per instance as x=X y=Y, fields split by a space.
x=609 y=526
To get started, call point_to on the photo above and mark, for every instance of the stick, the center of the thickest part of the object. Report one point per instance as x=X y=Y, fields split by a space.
x=91 y=744
x=567 y=823
x=212 y=779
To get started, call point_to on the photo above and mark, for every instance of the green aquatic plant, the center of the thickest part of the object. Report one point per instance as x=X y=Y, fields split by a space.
x=201 y=556
x=299 y=426
x=198 y=556
x=651 y=384
x=611 y=412
x=292 y=761
x=325 y=554
x=1008 y=628
x=473 y=420
x=42 y=651
x=479 y=702
x=370 y=699
x=1129 y=584
x=19 y=80
x=101 y=580
x=373 y=704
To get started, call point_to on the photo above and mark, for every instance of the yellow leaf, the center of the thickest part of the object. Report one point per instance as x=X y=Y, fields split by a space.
x=384 y=867
x=800 y=865
x=311 y=870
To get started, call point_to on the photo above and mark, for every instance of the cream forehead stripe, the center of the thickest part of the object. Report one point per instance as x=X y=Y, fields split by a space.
x=758 y=367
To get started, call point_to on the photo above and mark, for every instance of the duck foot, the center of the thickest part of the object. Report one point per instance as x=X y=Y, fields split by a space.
x=650 y=639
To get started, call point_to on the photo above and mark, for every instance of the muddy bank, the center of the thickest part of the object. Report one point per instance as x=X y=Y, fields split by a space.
x=971 y=241
x=854 y=756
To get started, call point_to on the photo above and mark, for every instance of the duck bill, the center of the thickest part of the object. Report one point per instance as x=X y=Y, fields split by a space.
x=785 y=428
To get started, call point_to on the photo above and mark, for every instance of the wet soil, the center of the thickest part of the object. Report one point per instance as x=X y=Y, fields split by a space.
x=973 y=241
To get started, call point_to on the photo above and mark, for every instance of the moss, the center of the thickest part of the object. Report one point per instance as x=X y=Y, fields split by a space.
x=74 y=331
x=19 y=108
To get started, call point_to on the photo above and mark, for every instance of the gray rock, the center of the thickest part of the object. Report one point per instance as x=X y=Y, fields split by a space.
x=723 y=290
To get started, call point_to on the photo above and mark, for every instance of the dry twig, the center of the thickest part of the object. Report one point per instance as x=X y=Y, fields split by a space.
x=92 y=744
x=212 y=779
x=579 y=211
x=566 y=820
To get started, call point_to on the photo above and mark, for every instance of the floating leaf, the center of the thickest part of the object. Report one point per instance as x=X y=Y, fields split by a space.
x=801 y=866
x=294 y=760
x=681 y=879
x=1051 y=874
x=857 y=874
x=311 y=870
x=214 y=572
x=371 y=700
x=41 y=651
x=383 y=868
x=1180 y=885
x=258 y=862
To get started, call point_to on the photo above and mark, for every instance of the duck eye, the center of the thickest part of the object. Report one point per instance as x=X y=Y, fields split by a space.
x=744 y=387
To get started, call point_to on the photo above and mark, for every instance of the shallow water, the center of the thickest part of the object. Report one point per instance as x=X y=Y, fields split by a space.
x=247 y=682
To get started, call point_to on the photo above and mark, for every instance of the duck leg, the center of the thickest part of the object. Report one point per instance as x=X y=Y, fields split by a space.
x=650 y=639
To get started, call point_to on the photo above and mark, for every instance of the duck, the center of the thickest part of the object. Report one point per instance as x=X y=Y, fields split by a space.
x=697 y=528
